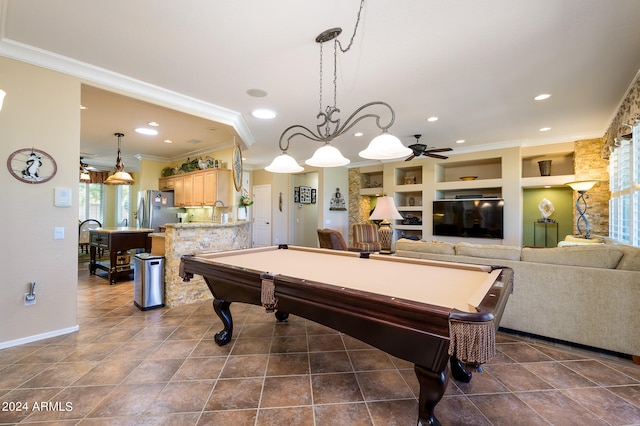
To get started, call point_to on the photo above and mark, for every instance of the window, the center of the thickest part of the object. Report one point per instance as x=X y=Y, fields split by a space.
x=624 y=205
x=123 y=203
x=91 y=202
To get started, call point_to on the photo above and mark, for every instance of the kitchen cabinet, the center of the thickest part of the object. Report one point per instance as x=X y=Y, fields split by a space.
x=200 y=188
x=217 y=186
x=167 y=183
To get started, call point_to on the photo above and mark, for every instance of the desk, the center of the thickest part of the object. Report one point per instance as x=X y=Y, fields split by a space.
x=410 y=308
x=115 y=240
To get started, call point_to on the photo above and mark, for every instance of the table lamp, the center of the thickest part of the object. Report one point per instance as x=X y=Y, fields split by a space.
x=582 y=187
x=385 y=210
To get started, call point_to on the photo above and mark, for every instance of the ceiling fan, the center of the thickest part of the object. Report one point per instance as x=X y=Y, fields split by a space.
x=422 y=149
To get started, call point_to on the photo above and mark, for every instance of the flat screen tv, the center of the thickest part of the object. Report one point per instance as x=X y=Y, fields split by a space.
x=472 y=218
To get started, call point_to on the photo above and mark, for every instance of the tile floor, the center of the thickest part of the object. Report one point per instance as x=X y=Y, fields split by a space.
x=161 y=367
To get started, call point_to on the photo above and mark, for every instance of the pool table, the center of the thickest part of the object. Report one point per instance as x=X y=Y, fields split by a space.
x=430 y=313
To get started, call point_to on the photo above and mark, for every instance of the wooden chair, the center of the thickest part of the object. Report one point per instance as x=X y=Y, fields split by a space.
x=83 y=233
x=365 y=237
x=331 y=239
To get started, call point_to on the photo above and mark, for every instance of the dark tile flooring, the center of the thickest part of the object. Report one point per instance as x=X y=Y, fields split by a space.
x=161 y=367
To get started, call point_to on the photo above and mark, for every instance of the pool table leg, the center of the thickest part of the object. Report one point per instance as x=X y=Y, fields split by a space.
x=458 y=371
x=221 y=308
x=432 y=387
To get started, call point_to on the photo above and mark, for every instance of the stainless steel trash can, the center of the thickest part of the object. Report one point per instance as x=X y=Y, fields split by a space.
x=148 y=282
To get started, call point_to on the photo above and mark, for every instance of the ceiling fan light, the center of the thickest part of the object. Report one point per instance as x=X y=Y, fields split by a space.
x=284 y=163
x=385 y=147
x=327 y=156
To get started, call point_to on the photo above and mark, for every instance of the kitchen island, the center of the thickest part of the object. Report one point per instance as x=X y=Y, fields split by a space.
x=117 y=241
x=193 y=238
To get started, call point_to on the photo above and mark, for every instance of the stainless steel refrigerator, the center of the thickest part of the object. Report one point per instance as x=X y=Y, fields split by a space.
x=155 y=208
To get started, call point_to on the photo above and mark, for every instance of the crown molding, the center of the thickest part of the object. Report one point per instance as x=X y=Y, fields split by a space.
x=109 y=79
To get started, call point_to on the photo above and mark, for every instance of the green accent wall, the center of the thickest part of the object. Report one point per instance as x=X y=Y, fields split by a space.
x=562 y=200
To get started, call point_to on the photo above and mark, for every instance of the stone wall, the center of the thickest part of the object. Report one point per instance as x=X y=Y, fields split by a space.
x=359 y=207
x=190 y=238
x=589 y=165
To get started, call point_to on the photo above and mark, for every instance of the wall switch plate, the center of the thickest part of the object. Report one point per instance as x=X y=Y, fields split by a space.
x=58 y=233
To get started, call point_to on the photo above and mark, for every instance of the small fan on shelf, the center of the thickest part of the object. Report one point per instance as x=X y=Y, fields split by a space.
x=422 y=149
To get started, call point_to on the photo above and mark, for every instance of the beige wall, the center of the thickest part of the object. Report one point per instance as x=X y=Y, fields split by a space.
x=41 y=110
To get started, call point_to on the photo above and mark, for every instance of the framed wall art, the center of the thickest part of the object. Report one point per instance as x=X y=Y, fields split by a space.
x=305 y=195
x=31 y=165
x=296 y=194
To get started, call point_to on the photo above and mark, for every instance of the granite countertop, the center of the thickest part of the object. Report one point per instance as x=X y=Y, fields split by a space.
x=157 y=234
x=123 y=229
x=205 y=224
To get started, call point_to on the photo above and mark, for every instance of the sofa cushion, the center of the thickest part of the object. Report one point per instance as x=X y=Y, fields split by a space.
x=570 y=240
x=594 y=256
x=434 y=246
x=631 y=259
x=491 y=251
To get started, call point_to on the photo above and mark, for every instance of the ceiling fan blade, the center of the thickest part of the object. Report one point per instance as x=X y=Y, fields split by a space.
x=442 y=157
x=411 y=157
x=439 y=149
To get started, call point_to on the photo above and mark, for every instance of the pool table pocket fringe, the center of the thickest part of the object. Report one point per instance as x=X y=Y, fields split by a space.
x=268 y=297
x=472 y=342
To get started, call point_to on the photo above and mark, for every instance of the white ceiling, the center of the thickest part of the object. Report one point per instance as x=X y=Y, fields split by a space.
x=475 y=64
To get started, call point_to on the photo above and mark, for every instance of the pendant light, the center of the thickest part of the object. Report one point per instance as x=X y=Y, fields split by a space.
x=120 y=177
x=383 y=147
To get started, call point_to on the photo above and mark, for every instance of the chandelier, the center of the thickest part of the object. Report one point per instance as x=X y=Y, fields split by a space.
x=120 y=177
x=383 y=147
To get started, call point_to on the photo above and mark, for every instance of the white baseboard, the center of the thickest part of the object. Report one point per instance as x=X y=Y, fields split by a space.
x=35 y=338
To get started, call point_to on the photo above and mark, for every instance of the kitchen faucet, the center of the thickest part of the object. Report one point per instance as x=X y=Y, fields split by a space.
x=213 y=213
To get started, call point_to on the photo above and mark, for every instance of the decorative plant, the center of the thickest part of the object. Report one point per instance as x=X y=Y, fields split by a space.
x=245 y=200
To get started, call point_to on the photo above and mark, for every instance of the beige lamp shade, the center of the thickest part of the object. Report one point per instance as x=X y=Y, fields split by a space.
x=385 y=210
x=582 y=185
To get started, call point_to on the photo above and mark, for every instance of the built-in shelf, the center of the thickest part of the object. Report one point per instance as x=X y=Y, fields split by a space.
x=482 y=169
x=408 y=175
x=371 y=192
x=471 y=184
x=561 y=162
x=546 y=181
x=371 y=178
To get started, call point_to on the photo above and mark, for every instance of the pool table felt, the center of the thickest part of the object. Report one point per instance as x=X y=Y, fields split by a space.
x=449 y=287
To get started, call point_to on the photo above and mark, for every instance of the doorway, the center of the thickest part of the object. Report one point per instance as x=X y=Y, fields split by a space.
x=262 y=216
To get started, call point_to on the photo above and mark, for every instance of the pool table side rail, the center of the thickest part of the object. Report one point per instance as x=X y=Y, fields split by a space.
x=394 y=325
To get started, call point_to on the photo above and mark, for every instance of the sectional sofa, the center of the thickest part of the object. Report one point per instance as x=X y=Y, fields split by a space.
x=584 y=294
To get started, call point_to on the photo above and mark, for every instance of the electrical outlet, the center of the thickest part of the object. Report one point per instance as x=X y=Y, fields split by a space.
x=29 y=299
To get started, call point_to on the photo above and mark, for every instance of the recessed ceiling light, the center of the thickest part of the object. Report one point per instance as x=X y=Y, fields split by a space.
x=542 y=97
x=263 y=114
x=358 y=134
x=256 y=93
x=460 y=141
x=146 y=131
x=545 y=129
x=167 y=141
x=432 y=119
x=153 y=123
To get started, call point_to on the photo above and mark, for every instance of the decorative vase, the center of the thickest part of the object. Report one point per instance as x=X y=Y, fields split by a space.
x=545 y=167
x=242 y=213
